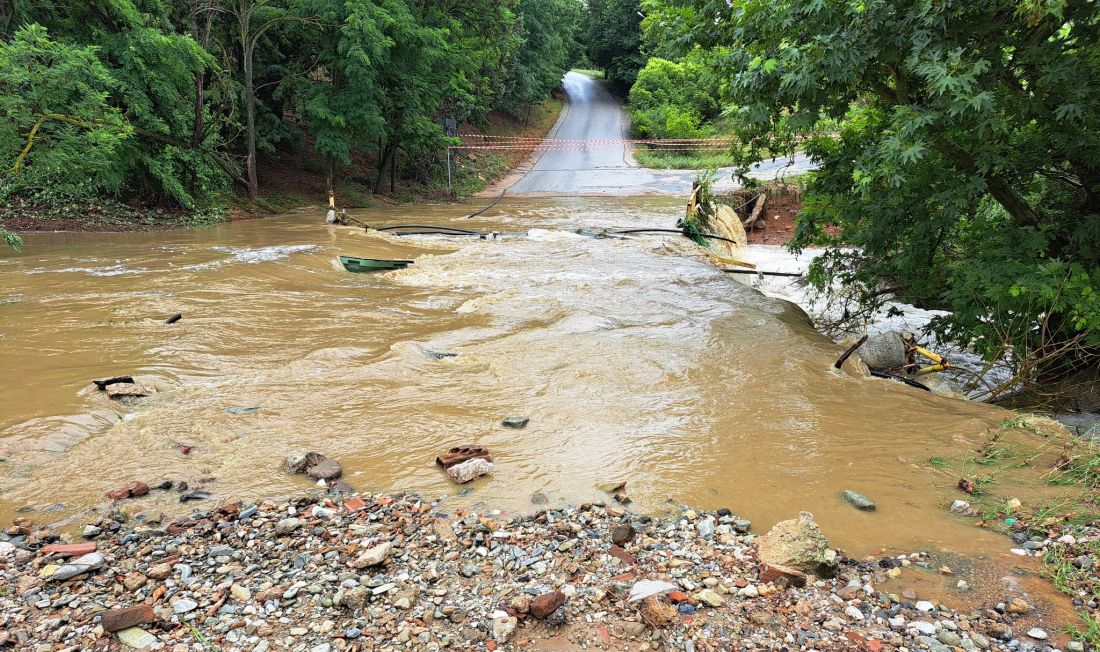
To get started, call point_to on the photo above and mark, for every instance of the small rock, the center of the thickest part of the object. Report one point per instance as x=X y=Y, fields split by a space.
x=515 y=422
x=287 y=525
x=858 y=500
x=643 y=589
x=184 y=605
x=137 y=638
x=79 y=566
x=240 y=593
x=547 y=603
x=503 y=628
x=372 y=556
x=297 y=462
x=924 y=627
x=1038 y=634
x=463 y=472
x=712 y=599
x=134 y=581
x=924 y=605
x=1017 y=606
x=960 y=507
x=622 y=534
x=656 y=612
x=853 y=613
x=326 y=469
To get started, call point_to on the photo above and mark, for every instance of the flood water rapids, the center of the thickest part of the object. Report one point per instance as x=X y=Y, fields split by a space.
x=635 y=359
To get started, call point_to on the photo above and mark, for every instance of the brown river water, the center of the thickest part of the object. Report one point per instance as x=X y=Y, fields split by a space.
x=634 y=359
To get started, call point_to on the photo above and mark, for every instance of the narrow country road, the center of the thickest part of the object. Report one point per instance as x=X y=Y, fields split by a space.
x=604 y=168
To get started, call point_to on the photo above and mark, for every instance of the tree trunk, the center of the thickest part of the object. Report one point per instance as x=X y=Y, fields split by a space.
x=329 y=173
x=393 y=172
x=1022 y=213
x=198 y=129
x=247 y=46
x=380 y=179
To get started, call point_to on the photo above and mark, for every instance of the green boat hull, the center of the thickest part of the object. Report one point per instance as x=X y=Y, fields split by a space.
x=358 y=265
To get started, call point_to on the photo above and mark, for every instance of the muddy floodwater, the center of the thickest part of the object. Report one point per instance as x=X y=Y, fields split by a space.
x=634 y=360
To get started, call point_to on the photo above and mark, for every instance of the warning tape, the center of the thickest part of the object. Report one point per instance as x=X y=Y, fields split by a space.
x=671 y=147
x=599 y=140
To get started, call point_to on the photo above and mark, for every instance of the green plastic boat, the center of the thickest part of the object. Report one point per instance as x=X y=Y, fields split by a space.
x=353 y=264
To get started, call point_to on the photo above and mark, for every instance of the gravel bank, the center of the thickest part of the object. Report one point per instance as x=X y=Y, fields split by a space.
x=396 y=573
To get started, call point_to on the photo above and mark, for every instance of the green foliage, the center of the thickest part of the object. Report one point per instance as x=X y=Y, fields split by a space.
x=59 y=135
x=159 y=103
x=11 y=239
x=963 y=173
x=548 y=29
x=671 y=99
x=615 y=40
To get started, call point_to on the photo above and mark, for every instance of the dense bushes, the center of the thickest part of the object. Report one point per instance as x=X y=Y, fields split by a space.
x=169 y=103
x=964 y=169
x=672 y=99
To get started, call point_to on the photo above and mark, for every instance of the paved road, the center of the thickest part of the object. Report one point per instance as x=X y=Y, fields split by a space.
x=592 y=113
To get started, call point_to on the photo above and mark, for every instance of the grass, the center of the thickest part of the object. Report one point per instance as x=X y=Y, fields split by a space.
x=1059 y=569
x=702 y=160
x=1079 y=464
x=594 y=74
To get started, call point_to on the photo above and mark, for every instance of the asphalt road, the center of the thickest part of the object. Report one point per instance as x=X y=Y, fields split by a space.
x=593 y=114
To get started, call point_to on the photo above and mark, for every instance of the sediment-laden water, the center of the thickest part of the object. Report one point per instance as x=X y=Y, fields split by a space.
x=633 y=359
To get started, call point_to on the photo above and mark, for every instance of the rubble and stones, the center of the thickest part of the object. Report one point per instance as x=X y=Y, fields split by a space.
x=394 y=572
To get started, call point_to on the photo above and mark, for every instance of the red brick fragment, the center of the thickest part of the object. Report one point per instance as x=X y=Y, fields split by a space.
x=69 y=549
x=126 y=617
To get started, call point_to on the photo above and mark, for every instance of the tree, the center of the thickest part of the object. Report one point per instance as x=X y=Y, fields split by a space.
x=614 y=39
x=547 y=31
x=673 y=99
x=965 y=169
x=59 y=134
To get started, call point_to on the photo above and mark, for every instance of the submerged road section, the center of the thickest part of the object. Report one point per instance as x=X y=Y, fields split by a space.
x=597 y=162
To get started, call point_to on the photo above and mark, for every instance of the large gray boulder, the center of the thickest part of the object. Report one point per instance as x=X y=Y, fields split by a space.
x=883 y=351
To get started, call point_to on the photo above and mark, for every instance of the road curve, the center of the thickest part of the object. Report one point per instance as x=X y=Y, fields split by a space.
x=596 y=168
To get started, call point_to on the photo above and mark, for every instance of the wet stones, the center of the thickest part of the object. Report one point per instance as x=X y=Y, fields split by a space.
x=883 y=351
x=121 y=391
x=101 y=385
x=460 y=454
x=313 y=464
x=858 y=500
x=470 y=469
x=135 y=490
x=327 y=469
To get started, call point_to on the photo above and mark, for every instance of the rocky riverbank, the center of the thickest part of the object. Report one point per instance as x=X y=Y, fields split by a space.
x=331 y=572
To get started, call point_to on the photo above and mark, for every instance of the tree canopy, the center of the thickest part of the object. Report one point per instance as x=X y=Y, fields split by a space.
x=174 y=103
x=964 y=174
